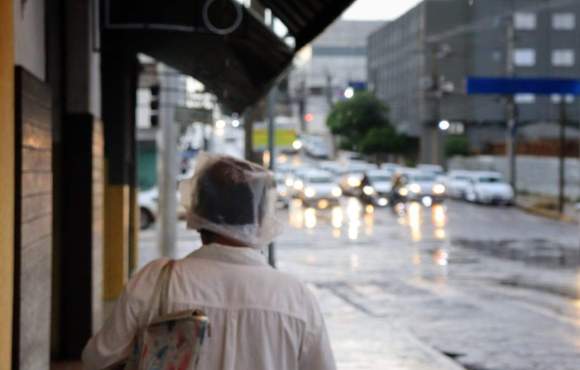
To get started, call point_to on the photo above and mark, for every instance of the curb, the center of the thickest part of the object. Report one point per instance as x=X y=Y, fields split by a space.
x=547 y=214
x=449 y=363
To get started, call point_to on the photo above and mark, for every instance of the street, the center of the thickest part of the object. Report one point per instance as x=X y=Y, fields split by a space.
x=429 y=288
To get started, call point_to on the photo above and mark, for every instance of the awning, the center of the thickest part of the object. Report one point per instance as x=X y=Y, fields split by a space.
x=224 y=46
x=306 y=19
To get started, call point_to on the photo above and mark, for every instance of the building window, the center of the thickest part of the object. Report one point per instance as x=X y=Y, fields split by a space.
x=564 y=21
x=557 y=98
x=524 y=98
x=563 y=58
x=525 y=21
x=524 y=57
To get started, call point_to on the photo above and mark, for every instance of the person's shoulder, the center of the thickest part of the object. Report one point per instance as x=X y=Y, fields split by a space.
x=300 y=292
x=144 y=279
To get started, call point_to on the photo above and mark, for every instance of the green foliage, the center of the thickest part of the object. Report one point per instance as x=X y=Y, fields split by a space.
x=456 y=146
x=362 y=124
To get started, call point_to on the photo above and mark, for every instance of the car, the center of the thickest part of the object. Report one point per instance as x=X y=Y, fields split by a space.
x=282 y=190
x=148 y=201
x=393 y=167
x=295 y=181
x=416 y=185
x=489 y=188
x=319 y=188
x=457 y=182
x=435 y=169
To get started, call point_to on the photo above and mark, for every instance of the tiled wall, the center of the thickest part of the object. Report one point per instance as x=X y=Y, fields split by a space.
x=33 y=247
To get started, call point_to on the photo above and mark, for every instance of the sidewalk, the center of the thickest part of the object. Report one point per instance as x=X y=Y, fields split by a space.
x=363 y=342
x=546 y=207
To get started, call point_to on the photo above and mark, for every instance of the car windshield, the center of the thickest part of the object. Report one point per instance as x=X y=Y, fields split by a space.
x=320 y=180
x=489 y=180
x=423 y=178
x=380 y=178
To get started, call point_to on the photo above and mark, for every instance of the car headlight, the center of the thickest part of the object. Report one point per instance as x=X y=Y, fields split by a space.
x=336 y=192
x=353 y=182
x=383 y=202
x=439 y=189
x=309 y=192
x=289 y=182
x=403 y=192
x=415 y=188
x=368 y=190
x=298 y=185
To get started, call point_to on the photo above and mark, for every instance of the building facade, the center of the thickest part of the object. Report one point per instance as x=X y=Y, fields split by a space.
x=418 y=65
x=337 y=58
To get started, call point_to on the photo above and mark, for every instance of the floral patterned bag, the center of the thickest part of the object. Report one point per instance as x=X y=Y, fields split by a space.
x=170 y=341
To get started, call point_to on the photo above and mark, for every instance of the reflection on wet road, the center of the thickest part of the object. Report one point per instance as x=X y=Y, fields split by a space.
x=431 y=270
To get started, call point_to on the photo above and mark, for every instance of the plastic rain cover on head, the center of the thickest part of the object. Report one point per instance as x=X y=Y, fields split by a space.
x=233 y=198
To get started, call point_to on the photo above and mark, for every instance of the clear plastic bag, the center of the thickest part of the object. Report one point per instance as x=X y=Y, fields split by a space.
x=234 y=198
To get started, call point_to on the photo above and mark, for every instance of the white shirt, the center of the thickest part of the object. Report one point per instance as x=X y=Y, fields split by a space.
x=261 y=319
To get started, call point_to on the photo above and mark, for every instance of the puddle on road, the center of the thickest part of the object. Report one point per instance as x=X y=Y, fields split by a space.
x=536 y=251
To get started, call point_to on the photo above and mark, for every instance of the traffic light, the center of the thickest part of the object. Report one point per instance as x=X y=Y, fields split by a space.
x=154 y=106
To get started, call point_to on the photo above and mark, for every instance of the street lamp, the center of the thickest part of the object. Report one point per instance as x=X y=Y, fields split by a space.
x=349 y=92
x=444 y=125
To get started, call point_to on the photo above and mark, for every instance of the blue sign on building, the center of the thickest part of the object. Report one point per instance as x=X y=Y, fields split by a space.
x=510 y=86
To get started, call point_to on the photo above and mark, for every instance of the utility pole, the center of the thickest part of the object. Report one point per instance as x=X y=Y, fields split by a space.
x=511 y=109
x=437 y=96
x=271 y=107
x=167 y=161
x=562 y=156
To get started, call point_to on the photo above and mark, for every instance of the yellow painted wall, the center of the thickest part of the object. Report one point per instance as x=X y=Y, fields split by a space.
x=117 y=203
x=6 y=180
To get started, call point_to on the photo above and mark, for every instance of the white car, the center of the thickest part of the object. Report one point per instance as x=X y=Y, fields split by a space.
x=148 y=201
x=148 y=207
x=393 y=167
x=282 y=190
x=489 y=188
x=381 y=182
x=457 y=183
x=320 y=189
x=435 y=169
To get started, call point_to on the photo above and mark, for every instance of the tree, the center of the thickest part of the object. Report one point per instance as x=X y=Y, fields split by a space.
x=456 y=145
x=362 y=124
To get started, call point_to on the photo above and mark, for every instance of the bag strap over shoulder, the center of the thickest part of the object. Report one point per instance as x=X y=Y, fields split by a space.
x=159 y=303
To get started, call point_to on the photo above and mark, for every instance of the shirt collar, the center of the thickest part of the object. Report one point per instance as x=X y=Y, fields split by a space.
x=235 y=255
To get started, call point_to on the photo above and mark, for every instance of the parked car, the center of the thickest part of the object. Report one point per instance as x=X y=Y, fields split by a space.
x=489 y=188
x=319 y=189
x=148 y=206
x=416 y=185
x=457 y=182
x=148 y=201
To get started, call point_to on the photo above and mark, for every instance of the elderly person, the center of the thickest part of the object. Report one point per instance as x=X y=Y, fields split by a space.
x=261 y=319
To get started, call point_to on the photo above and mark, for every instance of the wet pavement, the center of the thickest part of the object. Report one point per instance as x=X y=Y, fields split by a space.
x=432 y=288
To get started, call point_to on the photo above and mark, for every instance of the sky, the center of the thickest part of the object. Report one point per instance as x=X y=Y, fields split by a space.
x=378 y=9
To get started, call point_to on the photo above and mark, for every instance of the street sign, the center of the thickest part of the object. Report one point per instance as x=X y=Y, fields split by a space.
x=519 y=85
